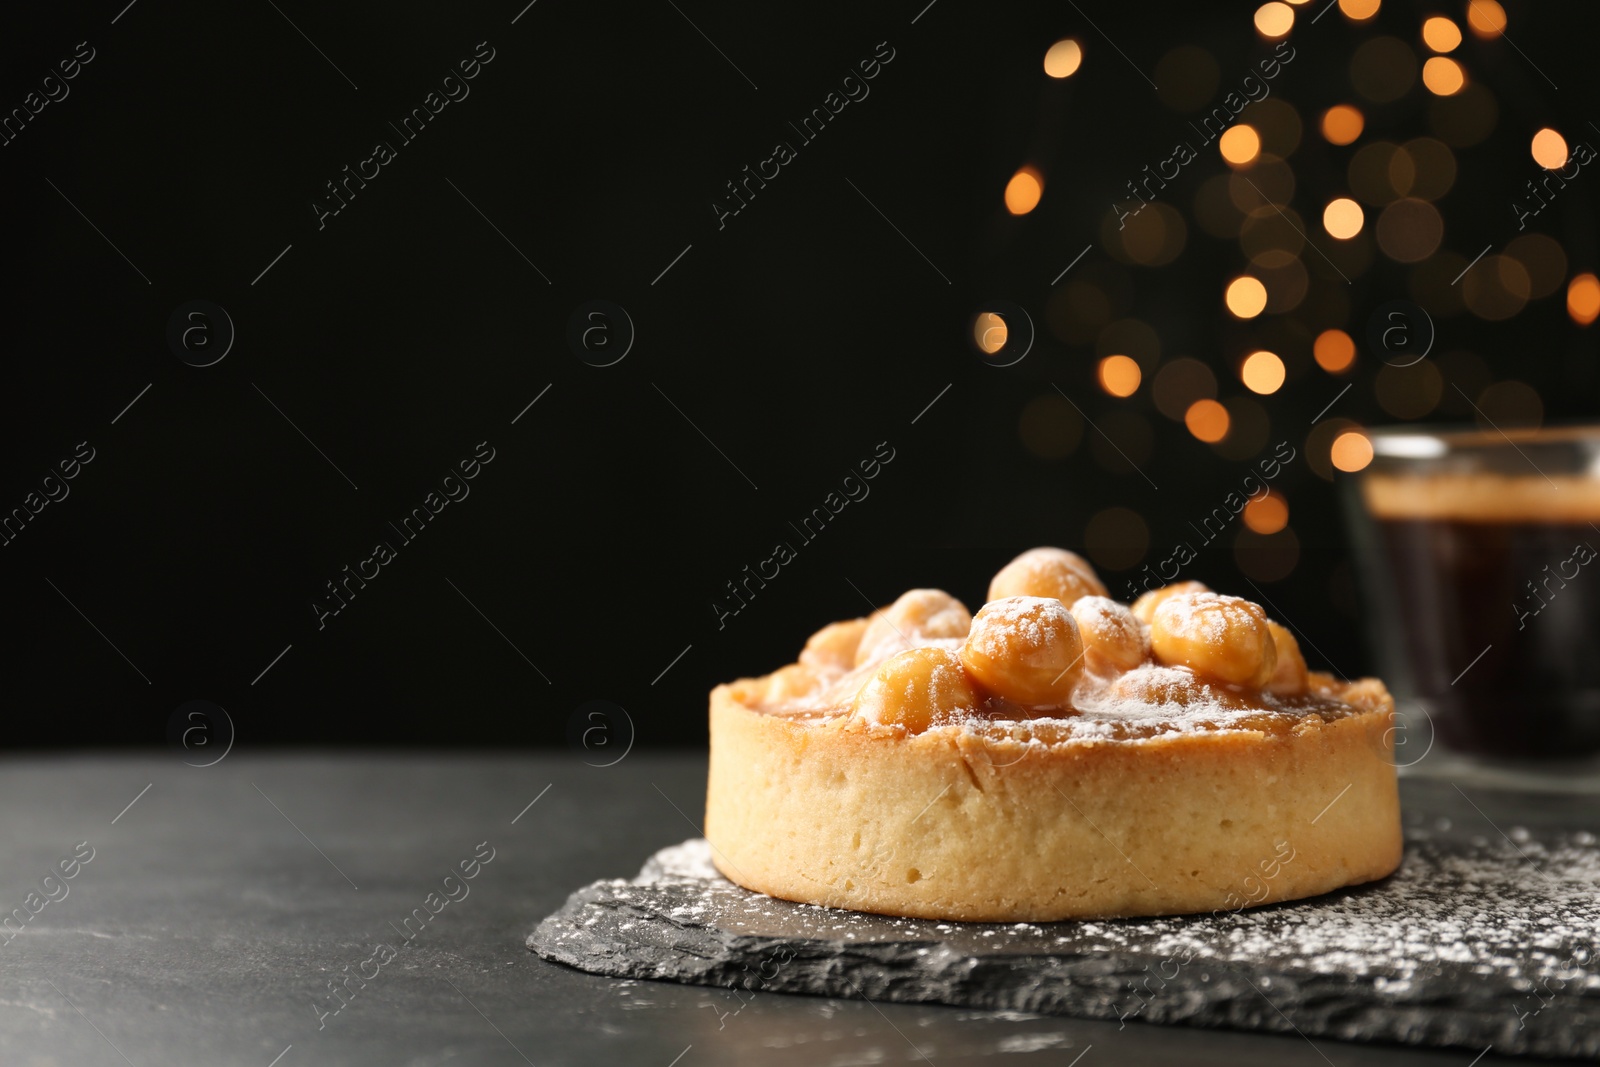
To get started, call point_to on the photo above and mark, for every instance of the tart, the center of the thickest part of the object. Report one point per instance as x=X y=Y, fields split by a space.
x=1058 y=755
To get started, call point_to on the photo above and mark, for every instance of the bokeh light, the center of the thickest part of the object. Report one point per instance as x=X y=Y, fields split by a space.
x=1432 y=168
x=1549 y=149
x=1096 y=294
x=1409 y=392
x=1443 y=76
x=1441 y=34
x=1583 y=299
x=1496 y=288
x=1023 y=191
x=1409 y=230
x=1277 y=123
x=1343 y=218
x=1342 y=124
x=1274 y=20
x=1246 y=297
x=1063 y=58
x=1267 y=514
x=1120 y=375
x=1151 y=238
x=1207 y=420
x=1262 y=372
x=1510 y=405
x=1319 y=445
x=1269 y=229
x=1270 y=181
x=1132 y=338
x=1286 y=280
x=1351 y=451
x=1239 y=145
x=1372 y=175
x=1334 y=351
x=1359 y=10
x=989 y=332
x=1486 y=18
x=1543 y=258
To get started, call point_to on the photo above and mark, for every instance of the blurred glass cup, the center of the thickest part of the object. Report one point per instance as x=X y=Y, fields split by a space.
x=1479 y=560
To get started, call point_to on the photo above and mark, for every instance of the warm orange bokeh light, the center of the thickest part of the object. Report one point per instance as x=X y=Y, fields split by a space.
x=1246 y=297
x=1023 y=191
x=990 y=332
x=1351 y=451
x=1583 y=299
x=1267 y=514
x=1119 y=375
x=1207 y=420
x=1240 y=145
x=1343 y=218
x=1342 y=124
x=1549 y=149
x=1274 y=20
x=1487 y=18
x=1262 y=372
x=1359 y=10
x=1440 y=34
x=1443 y=77
x=1064 y=58
x=1334 y=350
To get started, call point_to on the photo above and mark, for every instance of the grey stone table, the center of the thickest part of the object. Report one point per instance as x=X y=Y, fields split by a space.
x=209 y=911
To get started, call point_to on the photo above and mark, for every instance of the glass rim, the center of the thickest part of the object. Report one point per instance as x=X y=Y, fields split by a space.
x=1424 y=442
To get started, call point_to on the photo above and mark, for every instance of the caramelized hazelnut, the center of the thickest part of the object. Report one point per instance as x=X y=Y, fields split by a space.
x=1144 y=608
x=1158 y=685
x=919 y=615
x=833 y=648
x=1047 y=572
x=1025 y=649
x=1289 y=676
x=916 y=688
x=1153 y=684
x=1111 y=634
x=1225 y=637
x=788 y=683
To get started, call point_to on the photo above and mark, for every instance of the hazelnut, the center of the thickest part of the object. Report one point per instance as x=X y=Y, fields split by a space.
x=1224 y=637
x=1025 y=649
x=1145 y=607
x=1112 y=635
x=832 y=649
x=1289 y=676
x=916 y=688
x=1047 y=572
x=789 y=683
x=919 y=615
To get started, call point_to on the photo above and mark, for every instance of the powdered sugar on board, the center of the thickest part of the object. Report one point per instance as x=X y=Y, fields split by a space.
x=1479 y=938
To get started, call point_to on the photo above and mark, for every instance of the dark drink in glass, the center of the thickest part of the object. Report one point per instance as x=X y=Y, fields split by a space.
x=1480 y=562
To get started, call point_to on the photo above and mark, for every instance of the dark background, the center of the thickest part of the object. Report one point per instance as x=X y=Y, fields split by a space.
x=796 y=338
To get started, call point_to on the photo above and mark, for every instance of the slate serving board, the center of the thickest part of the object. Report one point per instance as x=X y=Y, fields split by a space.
x=1478 y=940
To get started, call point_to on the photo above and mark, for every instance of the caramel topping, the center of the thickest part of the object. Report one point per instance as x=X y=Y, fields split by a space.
x=1031 y=668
